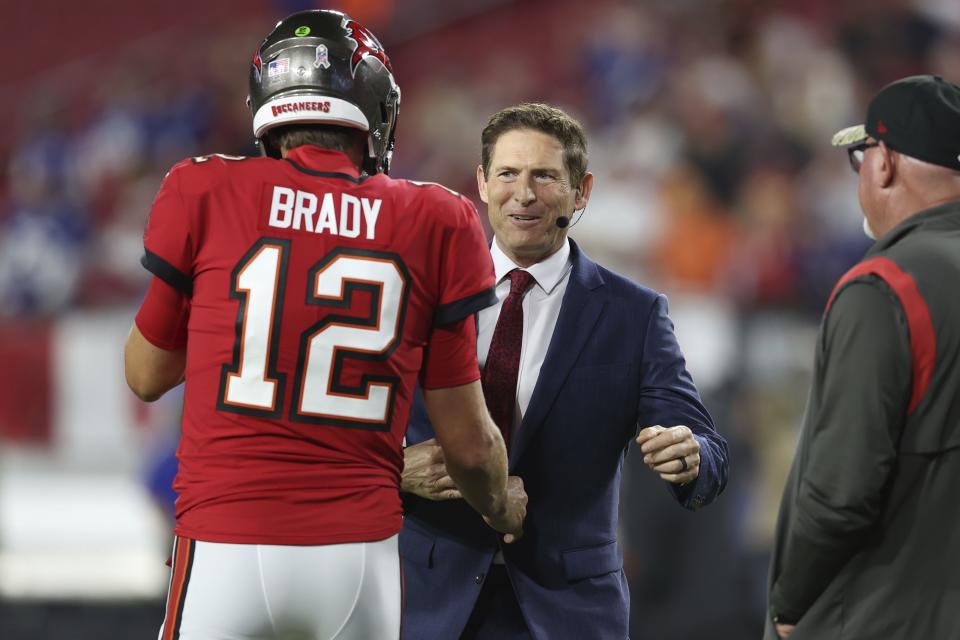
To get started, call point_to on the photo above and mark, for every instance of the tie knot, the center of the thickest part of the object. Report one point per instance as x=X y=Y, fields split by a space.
x=520 y=281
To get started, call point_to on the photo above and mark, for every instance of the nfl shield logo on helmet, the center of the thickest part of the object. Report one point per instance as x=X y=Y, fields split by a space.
x=323 y=57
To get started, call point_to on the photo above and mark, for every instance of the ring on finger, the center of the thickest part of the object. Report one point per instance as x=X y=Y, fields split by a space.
x=683 y=461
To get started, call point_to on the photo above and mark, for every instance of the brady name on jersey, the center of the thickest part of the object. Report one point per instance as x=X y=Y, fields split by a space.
x=290 y=209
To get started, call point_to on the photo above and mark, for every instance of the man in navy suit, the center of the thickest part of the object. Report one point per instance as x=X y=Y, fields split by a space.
x=576 y=359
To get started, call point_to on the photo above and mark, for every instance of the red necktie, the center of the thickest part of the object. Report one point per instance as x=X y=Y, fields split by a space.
x=503 y=360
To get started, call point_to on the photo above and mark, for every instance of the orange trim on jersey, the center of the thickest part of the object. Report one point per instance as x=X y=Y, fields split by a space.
x=180 y=576
x=923 y=339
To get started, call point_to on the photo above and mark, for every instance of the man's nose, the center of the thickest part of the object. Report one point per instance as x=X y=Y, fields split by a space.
x=525 y=193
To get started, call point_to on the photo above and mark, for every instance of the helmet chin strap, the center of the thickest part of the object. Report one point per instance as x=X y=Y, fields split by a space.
x=369 y=164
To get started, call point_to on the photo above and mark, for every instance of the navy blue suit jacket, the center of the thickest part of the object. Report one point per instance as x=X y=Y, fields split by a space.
x=613 y=365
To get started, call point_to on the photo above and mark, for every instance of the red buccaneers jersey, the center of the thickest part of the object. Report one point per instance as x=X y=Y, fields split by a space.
x=313 y=293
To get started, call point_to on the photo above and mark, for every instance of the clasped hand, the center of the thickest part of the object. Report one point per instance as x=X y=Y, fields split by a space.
x=425 y=475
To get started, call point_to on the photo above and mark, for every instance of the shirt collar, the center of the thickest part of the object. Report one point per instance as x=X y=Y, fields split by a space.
x=548 y=273
x=316 y=158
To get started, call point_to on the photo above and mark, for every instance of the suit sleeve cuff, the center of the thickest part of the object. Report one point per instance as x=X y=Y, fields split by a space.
x=780 y=612
x=696 y=493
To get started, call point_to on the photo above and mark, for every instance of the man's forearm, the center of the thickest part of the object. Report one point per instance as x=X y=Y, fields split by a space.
x=473 y=449
x=151 y=371
x=482 y=479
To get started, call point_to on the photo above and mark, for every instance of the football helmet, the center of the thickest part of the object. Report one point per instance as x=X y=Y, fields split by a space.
x=322 y=67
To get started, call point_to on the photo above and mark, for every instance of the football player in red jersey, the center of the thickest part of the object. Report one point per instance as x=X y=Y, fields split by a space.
x=301 y=296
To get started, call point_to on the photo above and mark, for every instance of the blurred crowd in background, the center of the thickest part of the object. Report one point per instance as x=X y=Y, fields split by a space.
x=709 y=124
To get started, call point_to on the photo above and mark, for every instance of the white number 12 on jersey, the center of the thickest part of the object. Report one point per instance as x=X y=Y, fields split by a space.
x=252 y=385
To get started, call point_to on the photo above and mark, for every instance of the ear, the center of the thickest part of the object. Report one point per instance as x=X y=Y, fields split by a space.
x=482 y=184
x=887 y=170
x=583 y=191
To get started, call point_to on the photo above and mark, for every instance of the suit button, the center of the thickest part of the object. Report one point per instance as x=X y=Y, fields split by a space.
x=479 y=578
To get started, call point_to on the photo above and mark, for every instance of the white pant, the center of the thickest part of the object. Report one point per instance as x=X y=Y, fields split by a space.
x=260 y=592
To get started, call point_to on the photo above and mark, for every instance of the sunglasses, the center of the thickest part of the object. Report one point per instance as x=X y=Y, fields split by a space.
x=856 y=152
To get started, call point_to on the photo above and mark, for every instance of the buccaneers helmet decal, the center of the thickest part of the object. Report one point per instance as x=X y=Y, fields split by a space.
x=367 y=45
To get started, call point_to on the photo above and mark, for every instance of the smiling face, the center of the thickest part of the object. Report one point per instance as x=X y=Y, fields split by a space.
x=526 y=189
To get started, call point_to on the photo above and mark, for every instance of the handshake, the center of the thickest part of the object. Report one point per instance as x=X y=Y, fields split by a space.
x=671 y=452
x=425 y=474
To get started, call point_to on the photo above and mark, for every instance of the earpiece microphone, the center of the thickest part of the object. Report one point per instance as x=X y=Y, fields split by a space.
x=563 y=222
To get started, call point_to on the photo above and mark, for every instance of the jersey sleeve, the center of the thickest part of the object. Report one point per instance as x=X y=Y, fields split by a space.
x=451 y=358
x=167 y=241
x=466 y=268
x=163 y=316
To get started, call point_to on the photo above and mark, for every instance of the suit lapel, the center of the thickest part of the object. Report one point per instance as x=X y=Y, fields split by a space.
x=581 y=307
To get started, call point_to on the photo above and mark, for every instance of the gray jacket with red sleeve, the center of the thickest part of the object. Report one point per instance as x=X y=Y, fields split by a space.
x=868 y=536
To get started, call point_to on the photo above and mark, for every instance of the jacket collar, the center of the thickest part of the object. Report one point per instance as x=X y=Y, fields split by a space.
x=947 y=213
x=317 y=160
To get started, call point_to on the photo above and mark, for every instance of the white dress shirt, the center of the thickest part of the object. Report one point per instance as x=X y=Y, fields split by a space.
x=541 y=308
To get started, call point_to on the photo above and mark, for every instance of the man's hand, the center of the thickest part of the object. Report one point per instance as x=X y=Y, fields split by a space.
x=425 y=473
x=672 y=452
x=510 y=520
x=784 y=630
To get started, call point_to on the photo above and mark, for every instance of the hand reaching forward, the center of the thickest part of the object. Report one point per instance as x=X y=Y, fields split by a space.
x=510 y=522
x=425 y=474
x=672 y=452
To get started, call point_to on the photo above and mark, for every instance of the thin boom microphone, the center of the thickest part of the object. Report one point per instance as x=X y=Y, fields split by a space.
x=564 y=221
